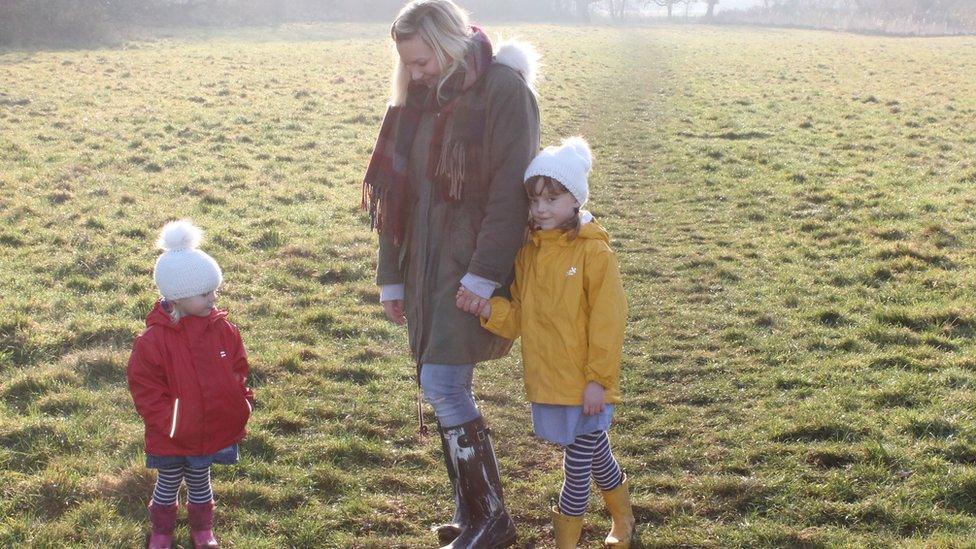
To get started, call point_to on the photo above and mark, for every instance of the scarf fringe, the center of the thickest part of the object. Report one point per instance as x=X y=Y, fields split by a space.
x=383 y=211
x=372 y=204
x=451 y=169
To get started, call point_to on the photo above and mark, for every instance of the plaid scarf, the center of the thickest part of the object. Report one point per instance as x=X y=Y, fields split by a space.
x=454 y=147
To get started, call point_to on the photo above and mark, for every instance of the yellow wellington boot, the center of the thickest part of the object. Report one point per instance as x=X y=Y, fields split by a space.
x=618 y=503
x=566 y=529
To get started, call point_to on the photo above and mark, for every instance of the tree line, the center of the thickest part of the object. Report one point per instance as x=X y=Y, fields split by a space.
x=909 y=17
x=84 y=22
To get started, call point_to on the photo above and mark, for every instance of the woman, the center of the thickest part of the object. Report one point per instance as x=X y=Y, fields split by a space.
x=444 y=190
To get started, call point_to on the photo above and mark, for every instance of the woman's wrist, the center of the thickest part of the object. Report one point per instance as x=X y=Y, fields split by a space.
x=391 y=292
x=479 y=286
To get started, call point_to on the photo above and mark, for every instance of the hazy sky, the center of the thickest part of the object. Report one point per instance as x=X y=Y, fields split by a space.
x=722 y=5
x=738 y=4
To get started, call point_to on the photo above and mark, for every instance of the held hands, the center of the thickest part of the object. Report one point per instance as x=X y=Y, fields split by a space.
x=470 y=302
x=593 y=399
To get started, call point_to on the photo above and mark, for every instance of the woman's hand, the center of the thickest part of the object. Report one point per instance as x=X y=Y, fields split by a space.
x=394 y=311
x=593 y=399
x=470 y=302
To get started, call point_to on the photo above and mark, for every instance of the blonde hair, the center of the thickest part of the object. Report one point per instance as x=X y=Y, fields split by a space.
x=443 y=26
x=174 y=313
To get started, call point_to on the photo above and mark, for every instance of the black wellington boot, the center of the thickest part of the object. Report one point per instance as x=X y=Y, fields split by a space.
x=490 y=526
x=446 y=533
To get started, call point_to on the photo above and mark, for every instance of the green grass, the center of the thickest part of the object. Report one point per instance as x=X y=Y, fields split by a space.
x=793 y=215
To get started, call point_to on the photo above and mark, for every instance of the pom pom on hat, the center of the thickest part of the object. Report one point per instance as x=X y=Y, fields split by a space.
x=582 y=149
x=569 y=164
x=179 y=235
x=183 y=270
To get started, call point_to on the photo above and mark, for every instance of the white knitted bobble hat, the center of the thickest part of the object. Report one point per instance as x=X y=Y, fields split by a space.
x=183 y=270
x=569 y=164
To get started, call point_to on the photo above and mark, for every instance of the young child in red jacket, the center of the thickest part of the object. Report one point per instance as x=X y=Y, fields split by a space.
x=187 y=375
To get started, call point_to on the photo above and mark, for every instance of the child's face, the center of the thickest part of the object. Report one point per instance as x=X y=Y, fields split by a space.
x=197 y=305
x=550 y=210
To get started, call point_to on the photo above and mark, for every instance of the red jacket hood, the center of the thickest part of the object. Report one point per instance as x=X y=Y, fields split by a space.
x=159 y=316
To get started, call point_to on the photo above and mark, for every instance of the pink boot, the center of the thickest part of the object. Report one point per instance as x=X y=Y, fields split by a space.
x=163 y=519
x=200 y=517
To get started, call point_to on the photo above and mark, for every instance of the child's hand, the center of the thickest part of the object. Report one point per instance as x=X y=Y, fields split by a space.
x=469 y=302
x=593 y=399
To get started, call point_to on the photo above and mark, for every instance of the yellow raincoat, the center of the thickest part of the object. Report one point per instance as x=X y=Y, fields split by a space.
x=569 y=307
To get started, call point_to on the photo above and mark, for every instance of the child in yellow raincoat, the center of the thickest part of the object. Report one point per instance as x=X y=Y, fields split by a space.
x=569 y=307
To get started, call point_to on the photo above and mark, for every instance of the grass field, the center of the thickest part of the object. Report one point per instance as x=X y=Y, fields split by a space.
x=793 y=213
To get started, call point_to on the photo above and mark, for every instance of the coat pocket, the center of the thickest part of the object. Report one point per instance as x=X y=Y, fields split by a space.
x=174 y=421
x=464 y=236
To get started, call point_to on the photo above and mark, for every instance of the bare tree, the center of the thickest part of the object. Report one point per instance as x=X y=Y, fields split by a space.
x=710 y=12
x=617 y=9
x=670 y=4
x=583 y=9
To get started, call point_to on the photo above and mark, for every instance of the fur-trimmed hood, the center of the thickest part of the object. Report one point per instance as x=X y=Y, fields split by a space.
x=521 y=56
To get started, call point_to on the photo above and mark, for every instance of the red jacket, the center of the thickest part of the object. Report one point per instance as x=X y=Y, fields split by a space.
x=188 y=382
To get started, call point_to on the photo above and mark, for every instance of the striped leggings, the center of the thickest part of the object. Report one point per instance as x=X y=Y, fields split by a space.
x=588 y=454
x=198 y=488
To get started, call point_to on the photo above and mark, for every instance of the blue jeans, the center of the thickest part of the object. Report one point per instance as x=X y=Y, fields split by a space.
x=447 y=387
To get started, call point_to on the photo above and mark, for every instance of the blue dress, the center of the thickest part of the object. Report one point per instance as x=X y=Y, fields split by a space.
x=227 y=456
x=562 y=424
